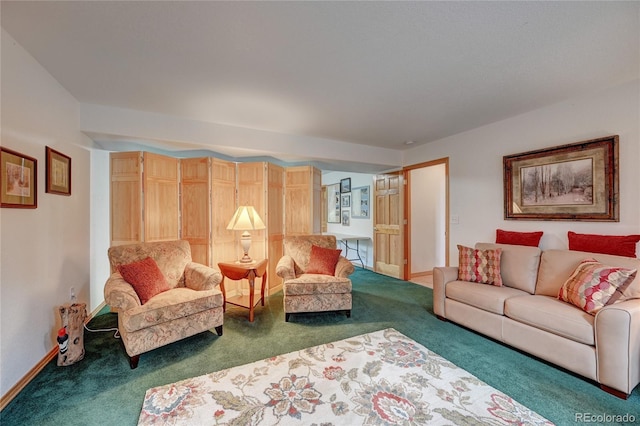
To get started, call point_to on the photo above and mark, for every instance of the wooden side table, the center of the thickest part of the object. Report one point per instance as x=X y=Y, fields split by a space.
x=238 y=271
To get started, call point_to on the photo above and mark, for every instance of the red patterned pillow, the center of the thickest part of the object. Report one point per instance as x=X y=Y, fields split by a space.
x=620 y=245
x=518 y=238
x=593 y=285
x=323 y=260
x=145 y=277
x=480 y=266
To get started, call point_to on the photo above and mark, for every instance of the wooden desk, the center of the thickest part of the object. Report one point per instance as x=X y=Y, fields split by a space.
x=238 y=271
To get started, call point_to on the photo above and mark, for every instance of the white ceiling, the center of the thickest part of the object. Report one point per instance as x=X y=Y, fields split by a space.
x=374 y=73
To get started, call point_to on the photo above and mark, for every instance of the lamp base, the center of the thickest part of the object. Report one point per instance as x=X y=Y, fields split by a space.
x=245 y=242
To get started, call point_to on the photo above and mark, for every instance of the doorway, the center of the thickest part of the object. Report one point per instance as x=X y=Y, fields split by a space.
x=427 y=218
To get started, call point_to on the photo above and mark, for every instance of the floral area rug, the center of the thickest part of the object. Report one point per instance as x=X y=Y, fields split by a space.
x=380 y=378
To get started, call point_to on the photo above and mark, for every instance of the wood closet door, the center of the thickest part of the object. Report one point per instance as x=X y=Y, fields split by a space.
x=195 y=218
x=388 y=231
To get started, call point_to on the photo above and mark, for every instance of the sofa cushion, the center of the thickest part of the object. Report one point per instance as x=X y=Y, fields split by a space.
x=620 y=245
x=316 y=284
x=480 y=266
x=145 y=277
x=593 y=284
x=323 y=260
x=531 y=239
x=556 y=266
x=171 y=305
x=552 y=315
x=485 y=297
x=518 y=265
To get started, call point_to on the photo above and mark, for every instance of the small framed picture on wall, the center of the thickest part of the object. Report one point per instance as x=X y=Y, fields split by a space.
x=345 y=185
x=345 y=218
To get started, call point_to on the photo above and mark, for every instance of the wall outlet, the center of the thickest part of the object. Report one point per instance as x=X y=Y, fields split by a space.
x=72 y=294
x=455 y=219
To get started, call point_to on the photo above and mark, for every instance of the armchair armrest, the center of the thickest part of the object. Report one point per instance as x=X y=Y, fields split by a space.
x=441 y=276
x=617 y=329
x=285 y=268
x=119 y=294
x=201 y=277
x=344 y=268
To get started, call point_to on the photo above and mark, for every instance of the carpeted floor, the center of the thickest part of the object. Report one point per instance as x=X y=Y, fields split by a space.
x=102 y=389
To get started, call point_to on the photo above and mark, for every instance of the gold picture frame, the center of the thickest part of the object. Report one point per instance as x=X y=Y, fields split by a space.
x=58 y=172
x=577 y=182
x=18 y=180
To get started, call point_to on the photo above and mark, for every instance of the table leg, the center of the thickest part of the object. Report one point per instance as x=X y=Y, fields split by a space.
x=224 y=295
x=264 y=282
x=252 y=281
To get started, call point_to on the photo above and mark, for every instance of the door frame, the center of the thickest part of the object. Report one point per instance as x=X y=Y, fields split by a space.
x=407 y=209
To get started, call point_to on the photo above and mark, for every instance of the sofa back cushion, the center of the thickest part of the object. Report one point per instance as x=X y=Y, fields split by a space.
x=518 y=265
x=556 y=266
x=170 y=256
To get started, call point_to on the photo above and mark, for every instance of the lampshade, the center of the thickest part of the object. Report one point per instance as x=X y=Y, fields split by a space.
x=245 y=219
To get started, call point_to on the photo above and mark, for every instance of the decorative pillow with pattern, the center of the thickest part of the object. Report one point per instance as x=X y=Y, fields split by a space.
x=480 y=266
x=592 y=285
x=323 y=260
x=145 y=277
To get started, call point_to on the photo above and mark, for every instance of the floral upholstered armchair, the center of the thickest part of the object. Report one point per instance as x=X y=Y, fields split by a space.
x=160 y=295
x=314 y=275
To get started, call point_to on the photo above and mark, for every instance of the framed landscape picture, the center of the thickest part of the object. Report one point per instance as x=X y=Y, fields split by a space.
x=58 y=172
x=576 y=182
x=18 y=180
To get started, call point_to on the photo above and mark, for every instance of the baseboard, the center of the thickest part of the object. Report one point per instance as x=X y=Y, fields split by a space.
x=421 y=274
x=22 y=383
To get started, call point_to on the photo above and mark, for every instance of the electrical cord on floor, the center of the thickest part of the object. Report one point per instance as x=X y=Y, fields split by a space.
x=116 y=335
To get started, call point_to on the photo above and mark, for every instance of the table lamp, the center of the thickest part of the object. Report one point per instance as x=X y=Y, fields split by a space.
x=245 y=219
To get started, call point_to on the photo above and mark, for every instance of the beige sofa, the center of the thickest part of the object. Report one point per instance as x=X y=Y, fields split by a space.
x=193 y=304
x=525 y=313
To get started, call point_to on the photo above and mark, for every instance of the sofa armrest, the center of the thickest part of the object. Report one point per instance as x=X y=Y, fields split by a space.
x=441 y=276
x=344 y=268
x=286 y=268
x=119 y=294
x=617 y=329
x=201 y=277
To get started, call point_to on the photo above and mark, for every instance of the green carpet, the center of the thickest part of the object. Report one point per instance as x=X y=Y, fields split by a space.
x=102 y=389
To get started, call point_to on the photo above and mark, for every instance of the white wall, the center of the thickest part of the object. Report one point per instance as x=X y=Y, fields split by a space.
x=45 y=251
x=428 y=218
x=358 y=226
x=475 y=173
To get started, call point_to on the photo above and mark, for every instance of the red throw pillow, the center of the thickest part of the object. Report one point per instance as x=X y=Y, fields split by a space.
x=620 y=245
x=145 y=277
x=518 y=238
x=323 y=260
